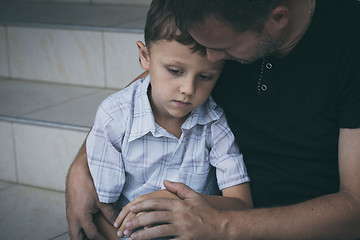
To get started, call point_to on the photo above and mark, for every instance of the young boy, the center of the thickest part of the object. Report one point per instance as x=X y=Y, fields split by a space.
x=165 y=126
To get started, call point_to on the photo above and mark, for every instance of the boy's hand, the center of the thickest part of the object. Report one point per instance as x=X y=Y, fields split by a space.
x=125 y=215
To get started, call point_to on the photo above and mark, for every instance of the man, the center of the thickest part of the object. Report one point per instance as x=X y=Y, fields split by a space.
x=292 y=100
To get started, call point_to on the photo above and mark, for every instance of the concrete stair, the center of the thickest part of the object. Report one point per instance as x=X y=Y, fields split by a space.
x=58 y=61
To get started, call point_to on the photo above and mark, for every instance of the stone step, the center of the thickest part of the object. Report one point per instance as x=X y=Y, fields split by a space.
x=42 y=126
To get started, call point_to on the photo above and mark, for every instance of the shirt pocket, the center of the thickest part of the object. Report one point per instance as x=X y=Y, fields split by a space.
x=205 y=182
x=196 y=181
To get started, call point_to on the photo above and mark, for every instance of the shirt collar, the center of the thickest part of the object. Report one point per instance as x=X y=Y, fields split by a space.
x=144 y=121
x=143 y=117
x=208 y=112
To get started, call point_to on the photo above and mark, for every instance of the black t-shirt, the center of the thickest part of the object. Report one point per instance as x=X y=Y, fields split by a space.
x=288 y=130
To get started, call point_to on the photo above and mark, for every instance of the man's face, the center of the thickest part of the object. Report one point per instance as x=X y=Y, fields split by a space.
x=222 y=42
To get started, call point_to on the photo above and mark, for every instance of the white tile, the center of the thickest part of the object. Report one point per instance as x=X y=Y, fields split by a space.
x=21 y=97
x=55 y=55
x=122 y=58
x=30 y=213
x=4 y=67
x=77 y=112
x=45 y=154
x=7 y=157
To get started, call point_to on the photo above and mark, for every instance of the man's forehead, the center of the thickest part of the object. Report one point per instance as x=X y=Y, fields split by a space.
x=211 y=32
x=216 y=35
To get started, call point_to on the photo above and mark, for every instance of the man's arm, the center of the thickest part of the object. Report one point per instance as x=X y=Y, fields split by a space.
x=335 y=216
x=82 y=201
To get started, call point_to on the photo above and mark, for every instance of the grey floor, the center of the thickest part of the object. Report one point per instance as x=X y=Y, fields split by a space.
x=31 y=213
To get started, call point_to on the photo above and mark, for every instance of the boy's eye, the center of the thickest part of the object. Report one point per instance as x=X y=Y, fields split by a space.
x=174 y=71
x=205 y=77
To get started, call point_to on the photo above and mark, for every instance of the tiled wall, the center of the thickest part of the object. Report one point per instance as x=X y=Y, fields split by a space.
x=46 y=167
x=122 y=58
x=3 y=54
x=41 y=155
x=7 y=157
x=89 y=58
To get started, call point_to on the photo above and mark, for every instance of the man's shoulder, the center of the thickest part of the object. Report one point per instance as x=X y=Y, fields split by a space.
x=341 y=14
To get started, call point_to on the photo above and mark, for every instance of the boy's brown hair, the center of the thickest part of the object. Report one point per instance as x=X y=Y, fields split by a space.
x=161 y=24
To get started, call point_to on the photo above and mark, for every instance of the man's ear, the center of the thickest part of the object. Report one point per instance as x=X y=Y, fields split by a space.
x=278 y=19
x=144 y=56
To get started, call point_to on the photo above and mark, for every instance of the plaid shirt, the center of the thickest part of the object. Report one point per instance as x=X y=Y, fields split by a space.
x=130 y=155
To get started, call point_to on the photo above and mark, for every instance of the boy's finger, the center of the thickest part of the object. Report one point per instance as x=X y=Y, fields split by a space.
x=91 y=232
x=75 y=232
x=108 y=212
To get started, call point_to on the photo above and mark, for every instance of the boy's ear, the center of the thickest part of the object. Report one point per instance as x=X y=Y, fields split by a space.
x=144 y=56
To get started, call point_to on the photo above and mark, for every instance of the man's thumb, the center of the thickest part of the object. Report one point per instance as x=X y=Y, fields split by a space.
x=180 y=189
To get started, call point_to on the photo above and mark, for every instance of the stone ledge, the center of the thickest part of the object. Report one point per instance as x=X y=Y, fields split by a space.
x=90 y=17
x=50 y=105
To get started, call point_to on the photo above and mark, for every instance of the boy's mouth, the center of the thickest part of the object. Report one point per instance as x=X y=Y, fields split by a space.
x=182 y=103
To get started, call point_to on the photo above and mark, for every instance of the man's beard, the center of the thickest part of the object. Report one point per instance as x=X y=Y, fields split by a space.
x=266 y=47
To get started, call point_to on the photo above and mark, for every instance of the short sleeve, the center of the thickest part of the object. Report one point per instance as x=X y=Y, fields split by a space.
x=105 y=161
x=225 y=156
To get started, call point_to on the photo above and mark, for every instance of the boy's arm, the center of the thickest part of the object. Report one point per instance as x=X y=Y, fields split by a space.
x=234 y=198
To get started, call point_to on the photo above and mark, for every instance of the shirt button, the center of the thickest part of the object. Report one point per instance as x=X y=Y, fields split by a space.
x=269 y=66
x=264 y=87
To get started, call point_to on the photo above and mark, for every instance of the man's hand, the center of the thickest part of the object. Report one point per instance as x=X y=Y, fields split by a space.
x=126 y=215
x=190 y=218
x=82 y=201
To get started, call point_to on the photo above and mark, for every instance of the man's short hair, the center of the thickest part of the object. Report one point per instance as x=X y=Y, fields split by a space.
x=240 y=15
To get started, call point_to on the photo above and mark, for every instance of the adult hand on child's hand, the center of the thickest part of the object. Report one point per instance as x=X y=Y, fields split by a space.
x=190 y=218
x=126 y=215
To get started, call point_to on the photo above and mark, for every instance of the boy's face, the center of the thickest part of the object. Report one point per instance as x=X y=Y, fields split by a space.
x=180 y=79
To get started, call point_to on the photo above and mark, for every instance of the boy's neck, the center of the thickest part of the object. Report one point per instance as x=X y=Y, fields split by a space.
x=173 y=126
x=170 y=124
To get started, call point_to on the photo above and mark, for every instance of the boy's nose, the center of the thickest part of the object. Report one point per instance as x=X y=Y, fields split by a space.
x=214 y=55
x=188 y=86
